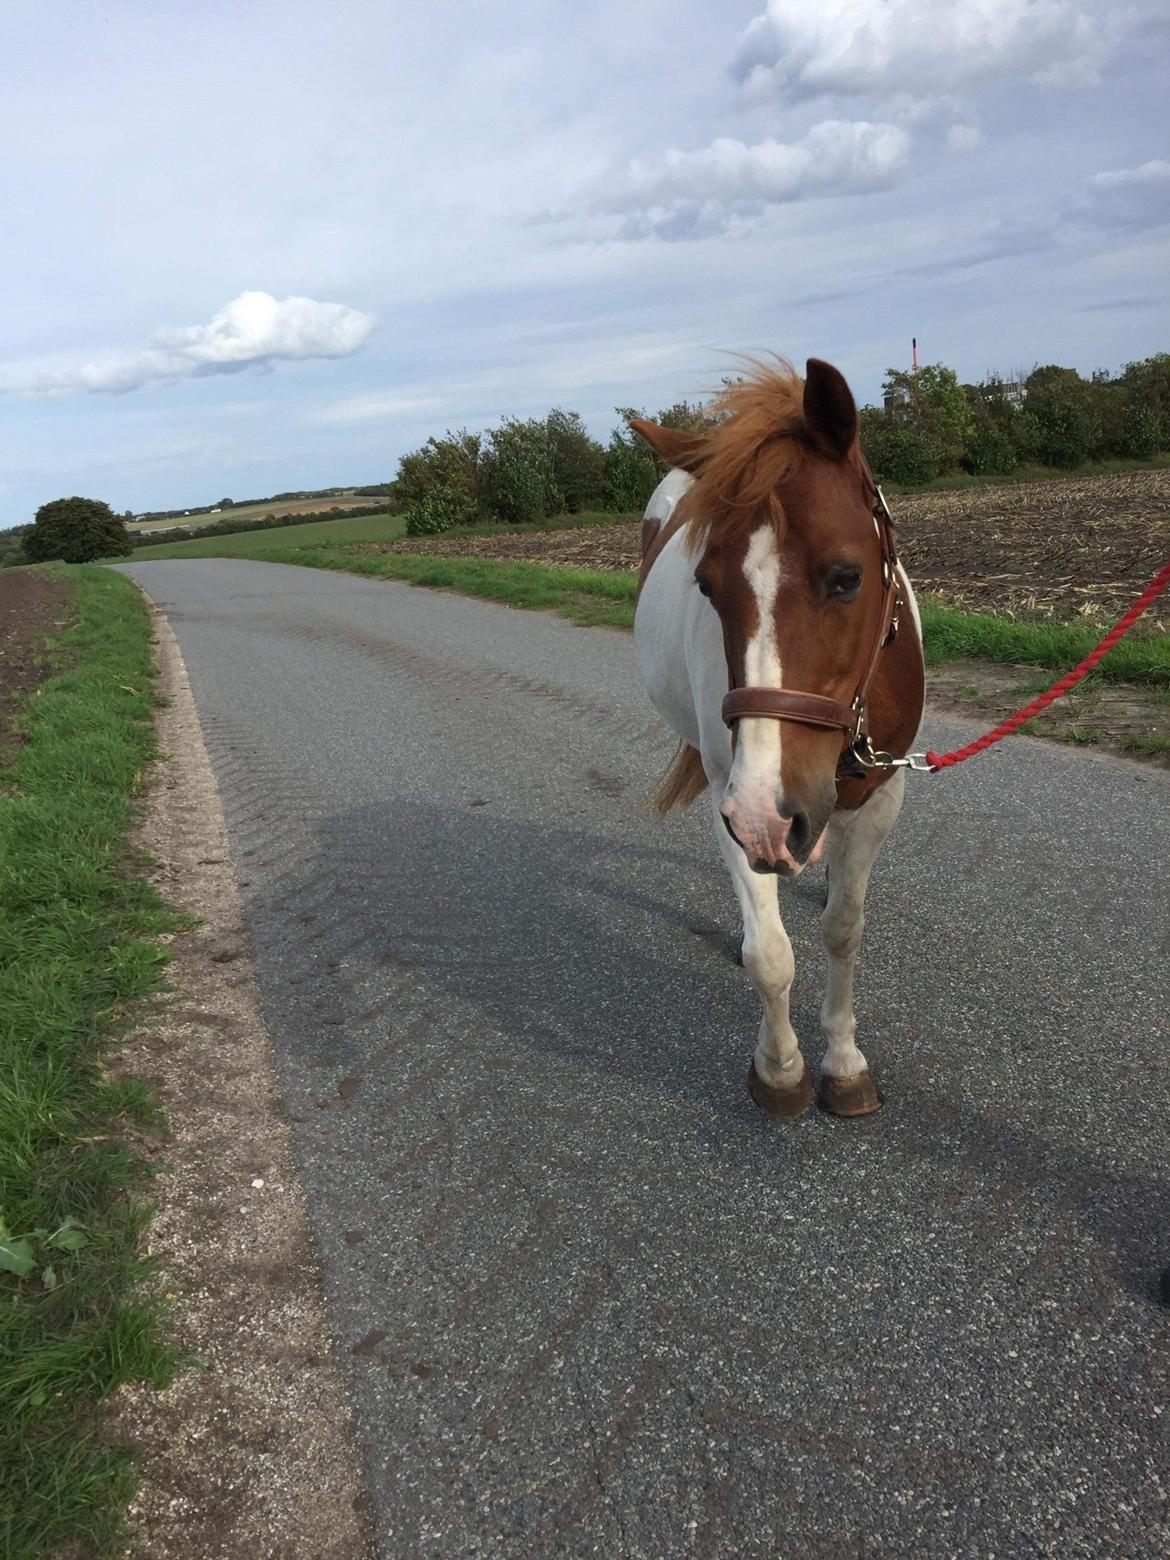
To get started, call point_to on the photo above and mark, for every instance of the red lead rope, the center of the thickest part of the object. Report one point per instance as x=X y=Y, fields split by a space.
x=1151 y=593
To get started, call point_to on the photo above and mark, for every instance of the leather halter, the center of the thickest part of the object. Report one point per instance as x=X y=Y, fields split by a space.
x=814 y=709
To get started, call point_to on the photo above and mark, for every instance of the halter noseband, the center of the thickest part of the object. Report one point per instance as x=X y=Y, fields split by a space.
x=814 y=709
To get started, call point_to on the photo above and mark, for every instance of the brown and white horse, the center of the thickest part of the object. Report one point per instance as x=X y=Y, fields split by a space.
x=777 y=635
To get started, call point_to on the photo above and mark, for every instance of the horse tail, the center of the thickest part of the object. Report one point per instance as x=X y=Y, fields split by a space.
x=682 y=783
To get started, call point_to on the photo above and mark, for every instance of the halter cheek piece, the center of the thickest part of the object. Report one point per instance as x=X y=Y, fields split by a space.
x=813 y=709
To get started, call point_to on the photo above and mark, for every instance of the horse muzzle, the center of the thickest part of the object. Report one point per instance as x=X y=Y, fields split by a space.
x=780 y=840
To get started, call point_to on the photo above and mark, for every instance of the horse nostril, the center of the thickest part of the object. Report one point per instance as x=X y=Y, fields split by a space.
x=799 y=832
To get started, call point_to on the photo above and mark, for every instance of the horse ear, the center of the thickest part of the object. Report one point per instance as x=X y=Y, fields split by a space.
x=829 y=409
x=676 y=446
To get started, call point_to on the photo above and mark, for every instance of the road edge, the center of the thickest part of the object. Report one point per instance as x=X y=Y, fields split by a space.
x=252 y=1450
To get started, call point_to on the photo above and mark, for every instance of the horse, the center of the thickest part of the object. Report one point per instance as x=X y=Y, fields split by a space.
x=778 y=636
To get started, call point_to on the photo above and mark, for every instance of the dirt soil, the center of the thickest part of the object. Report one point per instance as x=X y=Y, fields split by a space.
x=33 y=606
x=1122 y=717
x=249 y=1455
x=1063 y=548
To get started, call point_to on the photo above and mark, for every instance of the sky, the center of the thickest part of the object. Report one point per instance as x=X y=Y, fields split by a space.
x=252 y=247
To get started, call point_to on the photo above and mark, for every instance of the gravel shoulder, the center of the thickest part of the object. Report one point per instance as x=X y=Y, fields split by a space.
x=250 y=1452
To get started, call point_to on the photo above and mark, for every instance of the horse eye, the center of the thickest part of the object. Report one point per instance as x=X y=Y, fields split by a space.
x=844 y=583
x=704 y=588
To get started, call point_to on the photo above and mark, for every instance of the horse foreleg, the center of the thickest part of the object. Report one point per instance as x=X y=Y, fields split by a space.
x=852 y=844
x=778 y=1080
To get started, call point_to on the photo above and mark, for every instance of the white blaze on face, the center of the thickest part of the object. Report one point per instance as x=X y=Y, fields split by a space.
x=755 y=773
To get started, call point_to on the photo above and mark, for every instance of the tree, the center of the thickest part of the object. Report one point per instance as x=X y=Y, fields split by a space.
x=689 y=416
x=451 y=467
x=1148 y=383
x=76 y=530
x=578 y=461
x=1059 y=420
x=895 y=452
x=931 y=401
x=521 y=471
x=995 y=435
x=632 y=470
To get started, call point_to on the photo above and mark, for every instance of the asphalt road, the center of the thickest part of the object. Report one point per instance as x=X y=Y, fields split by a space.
x=590 y=1300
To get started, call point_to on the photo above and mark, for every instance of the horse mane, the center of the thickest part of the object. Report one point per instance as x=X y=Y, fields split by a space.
x=756 y=444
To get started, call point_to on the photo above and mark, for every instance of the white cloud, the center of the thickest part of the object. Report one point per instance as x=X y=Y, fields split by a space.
x=880 y=48
x=253 y=329
x=689 y=194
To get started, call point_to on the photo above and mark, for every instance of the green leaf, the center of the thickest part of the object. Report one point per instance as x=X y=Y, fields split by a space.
x=70 y=1237
x=49 y=1278
x=16 y=1256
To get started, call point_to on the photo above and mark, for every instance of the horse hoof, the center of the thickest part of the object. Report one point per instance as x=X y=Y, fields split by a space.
x=856 y=1096
x=782 y=1104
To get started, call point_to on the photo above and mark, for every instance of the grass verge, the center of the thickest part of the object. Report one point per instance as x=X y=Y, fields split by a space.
x=586 y=595
x=78 y=943
x=600 y=596
x=951 y=634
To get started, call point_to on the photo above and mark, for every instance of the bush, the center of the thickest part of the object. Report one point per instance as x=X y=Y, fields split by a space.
x=631 y=470
x=896 y=453
x=11 y=552
x=517 y=493
x=1128 y=427
x=453 y=465
x=578 y=461
x=990 y=453
x=521 y=472
x=76 y=530
x=437 y=512
x=1058 y=423
x=932 y=403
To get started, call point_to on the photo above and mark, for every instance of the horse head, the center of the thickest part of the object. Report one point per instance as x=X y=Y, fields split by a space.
x=788 y=553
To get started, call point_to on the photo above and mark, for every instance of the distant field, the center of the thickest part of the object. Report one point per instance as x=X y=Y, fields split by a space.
x=287 y=506
x=251 y=544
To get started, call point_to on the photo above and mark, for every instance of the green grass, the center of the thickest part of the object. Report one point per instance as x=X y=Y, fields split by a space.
x=1148 y=744
x=78 y=932
x=586 y=595
x=951 y=634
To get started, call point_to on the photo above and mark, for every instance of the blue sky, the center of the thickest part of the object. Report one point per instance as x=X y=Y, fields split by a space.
x=257 y=247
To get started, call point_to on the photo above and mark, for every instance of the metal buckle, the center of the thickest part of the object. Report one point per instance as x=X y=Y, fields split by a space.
x=869 y=757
